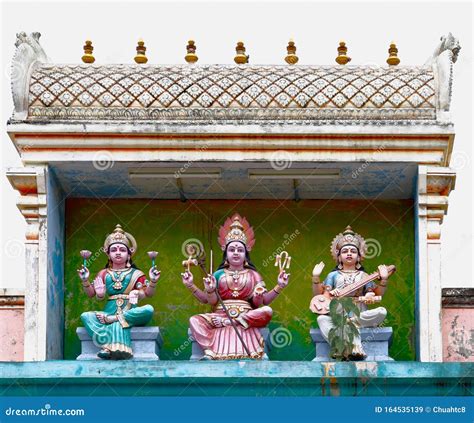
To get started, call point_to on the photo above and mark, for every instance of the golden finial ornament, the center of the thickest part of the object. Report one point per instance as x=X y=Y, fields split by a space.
x=191 y=49
x=88 y=49
x=141 y=50
x=342 y=57
x=241 y=58
x=393 y=59
x=291 y=57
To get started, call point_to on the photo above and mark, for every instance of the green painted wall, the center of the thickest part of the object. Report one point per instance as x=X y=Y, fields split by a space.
x=305 y=229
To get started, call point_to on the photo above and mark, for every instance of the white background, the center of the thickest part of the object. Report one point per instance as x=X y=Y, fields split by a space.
x=265 y=27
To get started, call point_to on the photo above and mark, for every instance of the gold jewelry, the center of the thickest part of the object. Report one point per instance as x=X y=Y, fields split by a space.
x=236 y=228
x=232 y=279
x=118 y=276
x=278 y=289
x=122 y=237
x=108 y=319
x=348 y=237
x=315 y=279
x=122 y=321
x=349 y=276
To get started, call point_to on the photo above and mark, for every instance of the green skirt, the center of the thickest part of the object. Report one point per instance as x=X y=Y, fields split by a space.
x=113 y=337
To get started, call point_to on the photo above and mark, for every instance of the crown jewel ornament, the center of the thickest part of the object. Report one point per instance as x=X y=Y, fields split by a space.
x=121 y=237
x=236 y=228
x=348 y=237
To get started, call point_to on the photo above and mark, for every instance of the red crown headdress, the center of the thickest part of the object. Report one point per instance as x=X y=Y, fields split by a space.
x=236 y=228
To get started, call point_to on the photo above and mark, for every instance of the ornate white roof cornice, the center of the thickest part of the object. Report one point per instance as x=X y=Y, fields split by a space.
x=233 y=93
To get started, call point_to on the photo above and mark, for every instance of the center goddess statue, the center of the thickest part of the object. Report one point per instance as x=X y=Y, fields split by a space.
x=238 y=296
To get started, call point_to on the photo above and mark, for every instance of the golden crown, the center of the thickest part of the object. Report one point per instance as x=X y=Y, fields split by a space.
x=236 y=233
x=119 y=236
x=348 y=237
x=236 y=229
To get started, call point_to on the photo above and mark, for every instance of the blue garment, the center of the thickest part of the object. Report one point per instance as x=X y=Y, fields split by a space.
x=116 y=336
x=332 y=282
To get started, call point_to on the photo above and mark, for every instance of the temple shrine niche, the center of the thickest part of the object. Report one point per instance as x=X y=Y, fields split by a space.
x=170 y=153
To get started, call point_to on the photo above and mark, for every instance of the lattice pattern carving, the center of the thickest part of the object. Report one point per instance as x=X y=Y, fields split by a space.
x=230 y=87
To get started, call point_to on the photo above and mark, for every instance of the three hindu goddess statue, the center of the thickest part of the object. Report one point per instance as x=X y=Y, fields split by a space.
x=238 y=296
x=349 y=278
x=124 y=285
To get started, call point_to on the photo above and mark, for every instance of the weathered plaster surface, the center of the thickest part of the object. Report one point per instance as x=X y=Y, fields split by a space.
x=238 y=378
x=11 y=334
x=458 y=334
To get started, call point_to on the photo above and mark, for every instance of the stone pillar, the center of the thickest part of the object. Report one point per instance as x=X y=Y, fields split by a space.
x=44 y=256
x=434 y=186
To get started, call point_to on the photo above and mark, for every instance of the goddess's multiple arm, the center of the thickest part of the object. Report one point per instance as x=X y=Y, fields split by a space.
x=382 y=285
x=266 y=297
x=318 y=287
x=97 y=288
x=149 y=290
x=202 y=296
x=90 y=289
x=208 y=296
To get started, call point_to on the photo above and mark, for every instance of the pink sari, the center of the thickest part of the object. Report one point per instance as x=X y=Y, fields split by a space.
x=222 y=343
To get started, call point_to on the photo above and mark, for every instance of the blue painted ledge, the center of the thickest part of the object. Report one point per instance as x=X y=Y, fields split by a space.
x=235 y=378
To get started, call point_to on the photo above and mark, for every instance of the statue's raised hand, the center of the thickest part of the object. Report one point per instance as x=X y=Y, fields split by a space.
x=83 y=273
x=210 y=283
x=318 y=269
x=259 y=290
x=99 y=287
x=383 y=272
x=283 y=279
x=154 y=274
x=187 y=278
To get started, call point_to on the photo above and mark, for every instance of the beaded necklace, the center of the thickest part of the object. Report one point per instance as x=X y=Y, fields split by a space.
x=118 y=276
x=232 y=278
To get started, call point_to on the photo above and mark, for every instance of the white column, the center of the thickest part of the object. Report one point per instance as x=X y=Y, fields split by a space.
x=434 y=186
x=31 y=184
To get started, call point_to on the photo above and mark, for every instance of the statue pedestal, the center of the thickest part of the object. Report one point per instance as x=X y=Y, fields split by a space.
x=146 y=344
x=197 y=351
x=375 y=342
